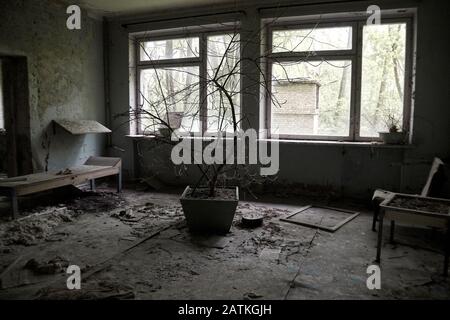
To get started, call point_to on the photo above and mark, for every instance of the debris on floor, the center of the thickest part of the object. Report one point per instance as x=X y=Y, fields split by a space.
x=33 y=229
x=145 y=219
x=89 y=291
x=39 y=225
x=251 y=296
x=142 y=249
x=126 y=215
x=55 y=265
x=270 y=254
x=93 y=202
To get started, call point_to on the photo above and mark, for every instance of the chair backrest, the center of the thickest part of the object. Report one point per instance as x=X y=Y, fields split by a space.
x=437 y=163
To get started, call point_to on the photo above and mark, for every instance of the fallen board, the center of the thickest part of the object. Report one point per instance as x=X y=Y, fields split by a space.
x=324 y=218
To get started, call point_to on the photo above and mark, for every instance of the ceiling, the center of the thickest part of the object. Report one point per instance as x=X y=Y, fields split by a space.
x=121 y=7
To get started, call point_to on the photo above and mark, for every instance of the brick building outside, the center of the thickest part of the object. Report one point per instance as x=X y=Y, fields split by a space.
x=299 y=110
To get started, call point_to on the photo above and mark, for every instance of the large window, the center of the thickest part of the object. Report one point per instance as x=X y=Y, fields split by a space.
x=183 y=77
x=338 y=81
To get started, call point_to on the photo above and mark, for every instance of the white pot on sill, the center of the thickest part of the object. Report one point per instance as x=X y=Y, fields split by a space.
x=393 y=137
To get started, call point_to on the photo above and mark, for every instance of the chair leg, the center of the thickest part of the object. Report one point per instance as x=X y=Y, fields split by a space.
x=380 y=236
x=391 y=239
x=376 y=212
x=14 y=204
x=374 y=221
x=119 y=181
x=92 y=183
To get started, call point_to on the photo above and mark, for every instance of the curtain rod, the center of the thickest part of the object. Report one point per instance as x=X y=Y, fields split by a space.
x=328 y=2
x=308 y=4
x=126 y=25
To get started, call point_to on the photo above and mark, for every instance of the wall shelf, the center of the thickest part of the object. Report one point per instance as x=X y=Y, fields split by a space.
x=78 y=127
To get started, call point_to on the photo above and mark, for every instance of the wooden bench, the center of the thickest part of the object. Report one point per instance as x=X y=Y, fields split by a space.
x=93 y=168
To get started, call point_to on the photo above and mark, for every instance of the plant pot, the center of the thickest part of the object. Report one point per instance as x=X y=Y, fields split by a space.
x=393 y=137
x=209 y=215
x=174 y=119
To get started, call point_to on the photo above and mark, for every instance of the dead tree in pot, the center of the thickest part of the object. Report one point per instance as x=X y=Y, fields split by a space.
x=205 y=93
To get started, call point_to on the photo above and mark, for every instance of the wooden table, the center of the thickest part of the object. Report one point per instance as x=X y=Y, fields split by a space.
x=94 y=167
x=423 y=217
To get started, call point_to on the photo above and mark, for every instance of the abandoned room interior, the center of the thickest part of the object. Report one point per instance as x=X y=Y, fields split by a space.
x=224 y=149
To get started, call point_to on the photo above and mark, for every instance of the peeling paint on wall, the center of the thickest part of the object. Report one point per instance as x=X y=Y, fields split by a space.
x=65 y=75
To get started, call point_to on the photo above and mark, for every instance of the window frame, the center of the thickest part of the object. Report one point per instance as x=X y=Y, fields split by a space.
x=354 y=55
x=201 y=62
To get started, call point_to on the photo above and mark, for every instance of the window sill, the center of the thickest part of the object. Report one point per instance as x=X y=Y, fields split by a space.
x=363 y=144
x=139 y=136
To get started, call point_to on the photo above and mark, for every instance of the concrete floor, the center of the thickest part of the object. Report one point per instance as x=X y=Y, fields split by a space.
x=151 y=254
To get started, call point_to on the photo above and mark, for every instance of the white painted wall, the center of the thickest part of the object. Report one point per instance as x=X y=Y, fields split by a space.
x=65 y=72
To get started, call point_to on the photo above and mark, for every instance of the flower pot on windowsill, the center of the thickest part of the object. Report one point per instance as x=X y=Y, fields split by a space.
x=174 y=120
x=393 y=137
x=212 y=215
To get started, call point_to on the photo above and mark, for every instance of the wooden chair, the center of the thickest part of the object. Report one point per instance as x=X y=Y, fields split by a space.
x=380 y=195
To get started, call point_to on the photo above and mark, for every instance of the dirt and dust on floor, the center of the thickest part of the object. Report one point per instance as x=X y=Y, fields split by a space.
x=39 y=223
x=135 y=245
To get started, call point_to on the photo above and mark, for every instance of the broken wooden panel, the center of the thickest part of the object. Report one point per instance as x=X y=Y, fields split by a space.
x=77 y=127
x=324 y=218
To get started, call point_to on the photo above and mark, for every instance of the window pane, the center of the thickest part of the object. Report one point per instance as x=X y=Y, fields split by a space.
x=383 y=74
x=223 y=66
x=168 y=90
x=318 y=39
x=311 y=98
x=169 y=49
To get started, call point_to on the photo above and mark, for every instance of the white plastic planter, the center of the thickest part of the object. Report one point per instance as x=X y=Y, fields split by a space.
x=213 y=216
